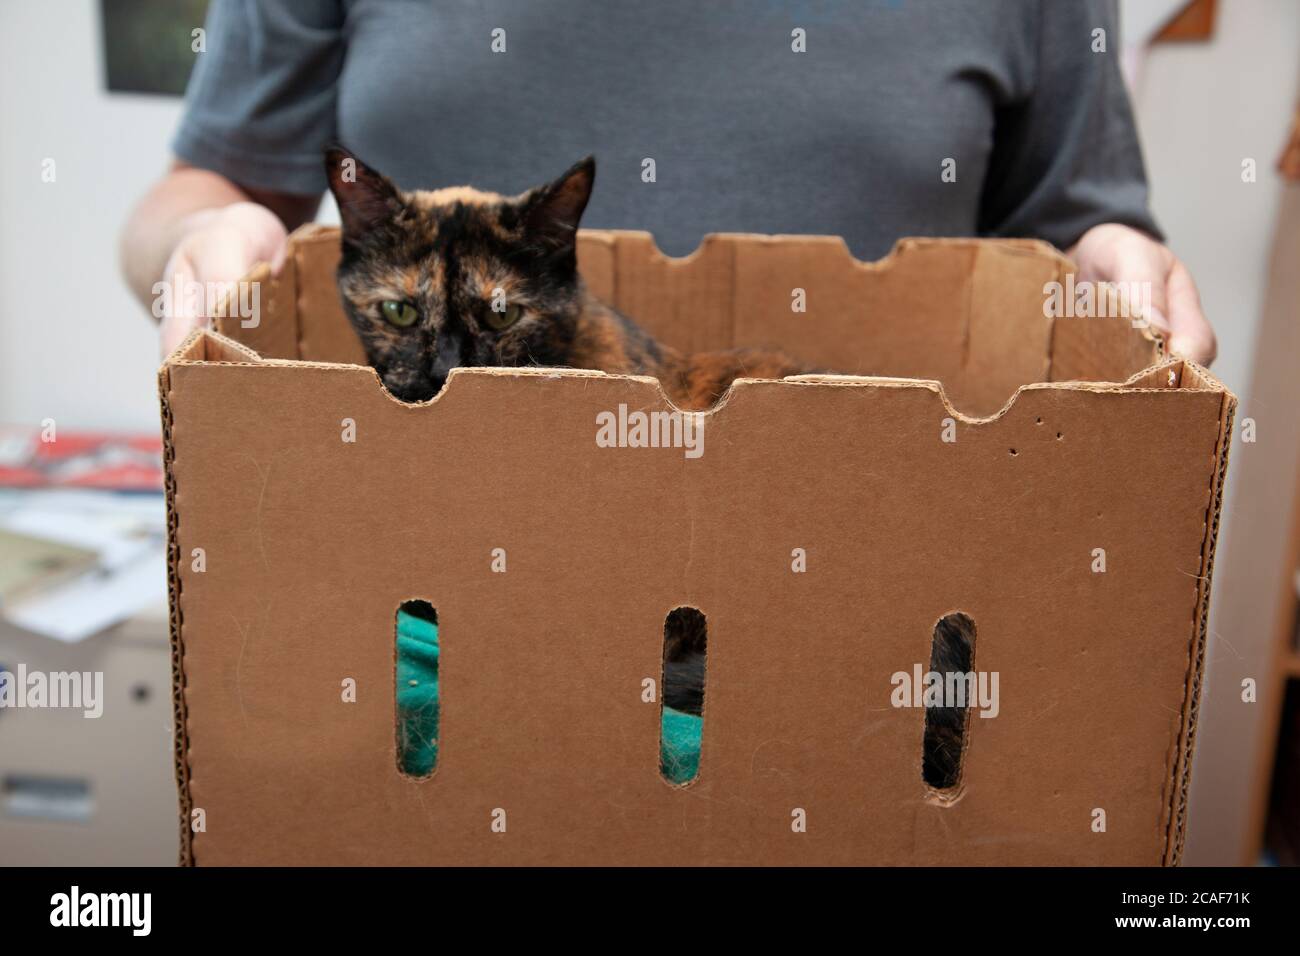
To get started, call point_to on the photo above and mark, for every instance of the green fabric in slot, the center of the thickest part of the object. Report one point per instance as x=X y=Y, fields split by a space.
x=418 y=705
x=417 y=694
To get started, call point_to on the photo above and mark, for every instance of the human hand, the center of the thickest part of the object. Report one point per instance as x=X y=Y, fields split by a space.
x=218 y=247
x=1111 y=252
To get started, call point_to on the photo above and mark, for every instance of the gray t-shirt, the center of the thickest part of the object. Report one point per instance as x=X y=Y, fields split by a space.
x=852 y=137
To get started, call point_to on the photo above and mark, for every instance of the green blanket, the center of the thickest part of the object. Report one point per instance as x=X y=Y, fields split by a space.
x=417 y=693
x=417 y=706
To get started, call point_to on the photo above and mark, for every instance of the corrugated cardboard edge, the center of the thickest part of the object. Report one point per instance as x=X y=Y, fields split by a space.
x=180 y=737
x=1181 y=778
x=198 y=347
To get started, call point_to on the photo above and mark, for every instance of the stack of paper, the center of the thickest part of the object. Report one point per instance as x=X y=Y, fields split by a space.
x=75 y=562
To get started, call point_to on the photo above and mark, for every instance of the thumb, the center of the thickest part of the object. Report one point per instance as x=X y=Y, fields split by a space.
x=1191 y=333
x=1143 y=268
x=174 y=303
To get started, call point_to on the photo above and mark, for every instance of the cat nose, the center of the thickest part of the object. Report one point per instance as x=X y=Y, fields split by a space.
x=447 y=355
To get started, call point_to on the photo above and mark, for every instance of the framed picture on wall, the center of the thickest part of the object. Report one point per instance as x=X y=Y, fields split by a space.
x=150 y=45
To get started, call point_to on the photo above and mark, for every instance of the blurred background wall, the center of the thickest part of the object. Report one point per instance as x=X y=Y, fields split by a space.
x=74 y=345
x=1202 y=108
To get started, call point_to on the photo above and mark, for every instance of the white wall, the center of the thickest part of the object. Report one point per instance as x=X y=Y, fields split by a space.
x=1202 y=108
x=74 y=345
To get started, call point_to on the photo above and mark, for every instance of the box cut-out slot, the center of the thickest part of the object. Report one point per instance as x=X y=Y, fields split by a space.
x=952 y=654
x=681 y=722
x=418 y=695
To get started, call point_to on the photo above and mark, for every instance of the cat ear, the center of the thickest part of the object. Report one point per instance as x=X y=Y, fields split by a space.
x=552 y=212
x=366 y=198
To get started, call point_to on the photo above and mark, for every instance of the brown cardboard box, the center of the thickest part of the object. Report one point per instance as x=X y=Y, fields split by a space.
x=311 y=543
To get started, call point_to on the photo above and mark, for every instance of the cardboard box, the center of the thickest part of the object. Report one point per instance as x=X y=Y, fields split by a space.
x=311 y=542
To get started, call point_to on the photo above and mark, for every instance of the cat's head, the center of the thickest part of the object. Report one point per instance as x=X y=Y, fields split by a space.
x=452 y=277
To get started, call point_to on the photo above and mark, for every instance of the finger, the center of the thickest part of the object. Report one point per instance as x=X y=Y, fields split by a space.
x=1191 y=334
x=196 y=289
x=173 y=305
x=278 y=257
x=171 y=335
x=223 y=259
x=178 y=277
x=1141 y=267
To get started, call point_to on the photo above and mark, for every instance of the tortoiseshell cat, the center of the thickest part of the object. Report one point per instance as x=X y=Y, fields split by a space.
x=419 y=271
x=418 y=279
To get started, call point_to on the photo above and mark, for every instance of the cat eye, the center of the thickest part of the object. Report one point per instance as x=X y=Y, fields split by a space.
x=503 y=320
x=401 y=314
